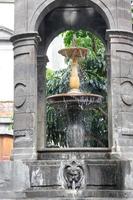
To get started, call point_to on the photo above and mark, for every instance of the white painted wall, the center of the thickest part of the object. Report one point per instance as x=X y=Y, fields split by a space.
x=6 y=51
x=6 y=71
x=7 y=15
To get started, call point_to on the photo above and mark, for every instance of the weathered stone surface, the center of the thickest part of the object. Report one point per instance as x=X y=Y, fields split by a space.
x=91 y=172
x=118 y=15
x=25 y=74
x=121 y=88
x=102 y=173
x=14 y=176
x=45 y=179
x=72 y=154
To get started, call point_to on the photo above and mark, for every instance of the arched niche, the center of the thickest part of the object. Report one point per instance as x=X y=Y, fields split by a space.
x=62 y=19
x=56 y=21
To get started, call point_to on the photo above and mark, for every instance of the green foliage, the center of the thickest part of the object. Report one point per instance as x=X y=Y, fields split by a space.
x=93 y=79
x=55 y=128
x=57 y=82
x=84 y=39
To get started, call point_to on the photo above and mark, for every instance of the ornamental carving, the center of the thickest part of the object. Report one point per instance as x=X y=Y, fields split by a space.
x=20 y=95
x=36 y=177
x=127 y=93
x=73 y=175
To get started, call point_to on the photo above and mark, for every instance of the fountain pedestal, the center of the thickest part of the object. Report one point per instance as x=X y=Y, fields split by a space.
x=76 y=174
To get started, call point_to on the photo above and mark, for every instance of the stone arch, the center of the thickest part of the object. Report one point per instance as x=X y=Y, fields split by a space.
x=46 y=22
x=46 y=6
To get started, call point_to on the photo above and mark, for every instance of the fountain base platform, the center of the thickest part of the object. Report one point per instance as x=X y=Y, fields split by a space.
x=78 y=174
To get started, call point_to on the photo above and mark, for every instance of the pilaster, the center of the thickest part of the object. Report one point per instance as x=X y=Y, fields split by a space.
x=41 y=66
x=25 y=94
x=121 y=91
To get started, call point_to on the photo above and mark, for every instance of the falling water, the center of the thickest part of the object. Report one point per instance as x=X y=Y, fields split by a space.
x=75 y=135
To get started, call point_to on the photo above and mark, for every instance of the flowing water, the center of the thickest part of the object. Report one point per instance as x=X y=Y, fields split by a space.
x=75 y=135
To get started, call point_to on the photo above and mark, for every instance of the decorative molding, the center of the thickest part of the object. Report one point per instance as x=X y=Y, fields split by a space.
x=16 y=54
x=7 y=1
x=8 y=33
x=120 y=34
x=124 y=51
x=23 y=133
x=5 y=29
x=47 y=6
x=127 y=92
x=20 y=95
x=25 y=39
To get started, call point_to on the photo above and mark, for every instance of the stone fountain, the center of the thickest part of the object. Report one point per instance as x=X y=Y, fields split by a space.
x=74 y=101
x=41 y=173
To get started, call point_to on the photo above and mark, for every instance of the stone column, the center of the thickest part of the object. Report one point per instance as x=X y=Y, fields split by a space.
x=107 y=56
x=25 y=95
x=41 y=68
x=121 y=91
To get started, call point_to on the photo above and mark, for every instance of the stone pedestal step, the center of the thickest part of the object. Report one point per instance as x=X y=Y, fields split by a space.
x=50 y=195
x=80 y=195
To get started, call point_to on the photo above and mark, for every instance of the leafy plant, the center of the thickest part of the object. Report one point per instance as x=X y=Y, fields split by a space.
x=93 y=79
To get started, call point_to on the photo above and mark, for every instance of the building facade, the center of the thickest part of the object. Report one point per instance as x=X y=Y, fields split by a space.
x=6 y=78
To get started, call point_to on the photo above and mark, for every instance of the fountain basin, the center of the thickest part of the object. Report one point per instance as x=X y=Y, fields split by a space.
x=74 y=99
x=72 y=104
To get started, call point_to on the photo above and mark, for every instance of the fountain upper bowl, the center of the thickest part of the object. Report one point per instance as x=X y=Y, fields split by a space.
x=73 y=98
x=74 y=52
